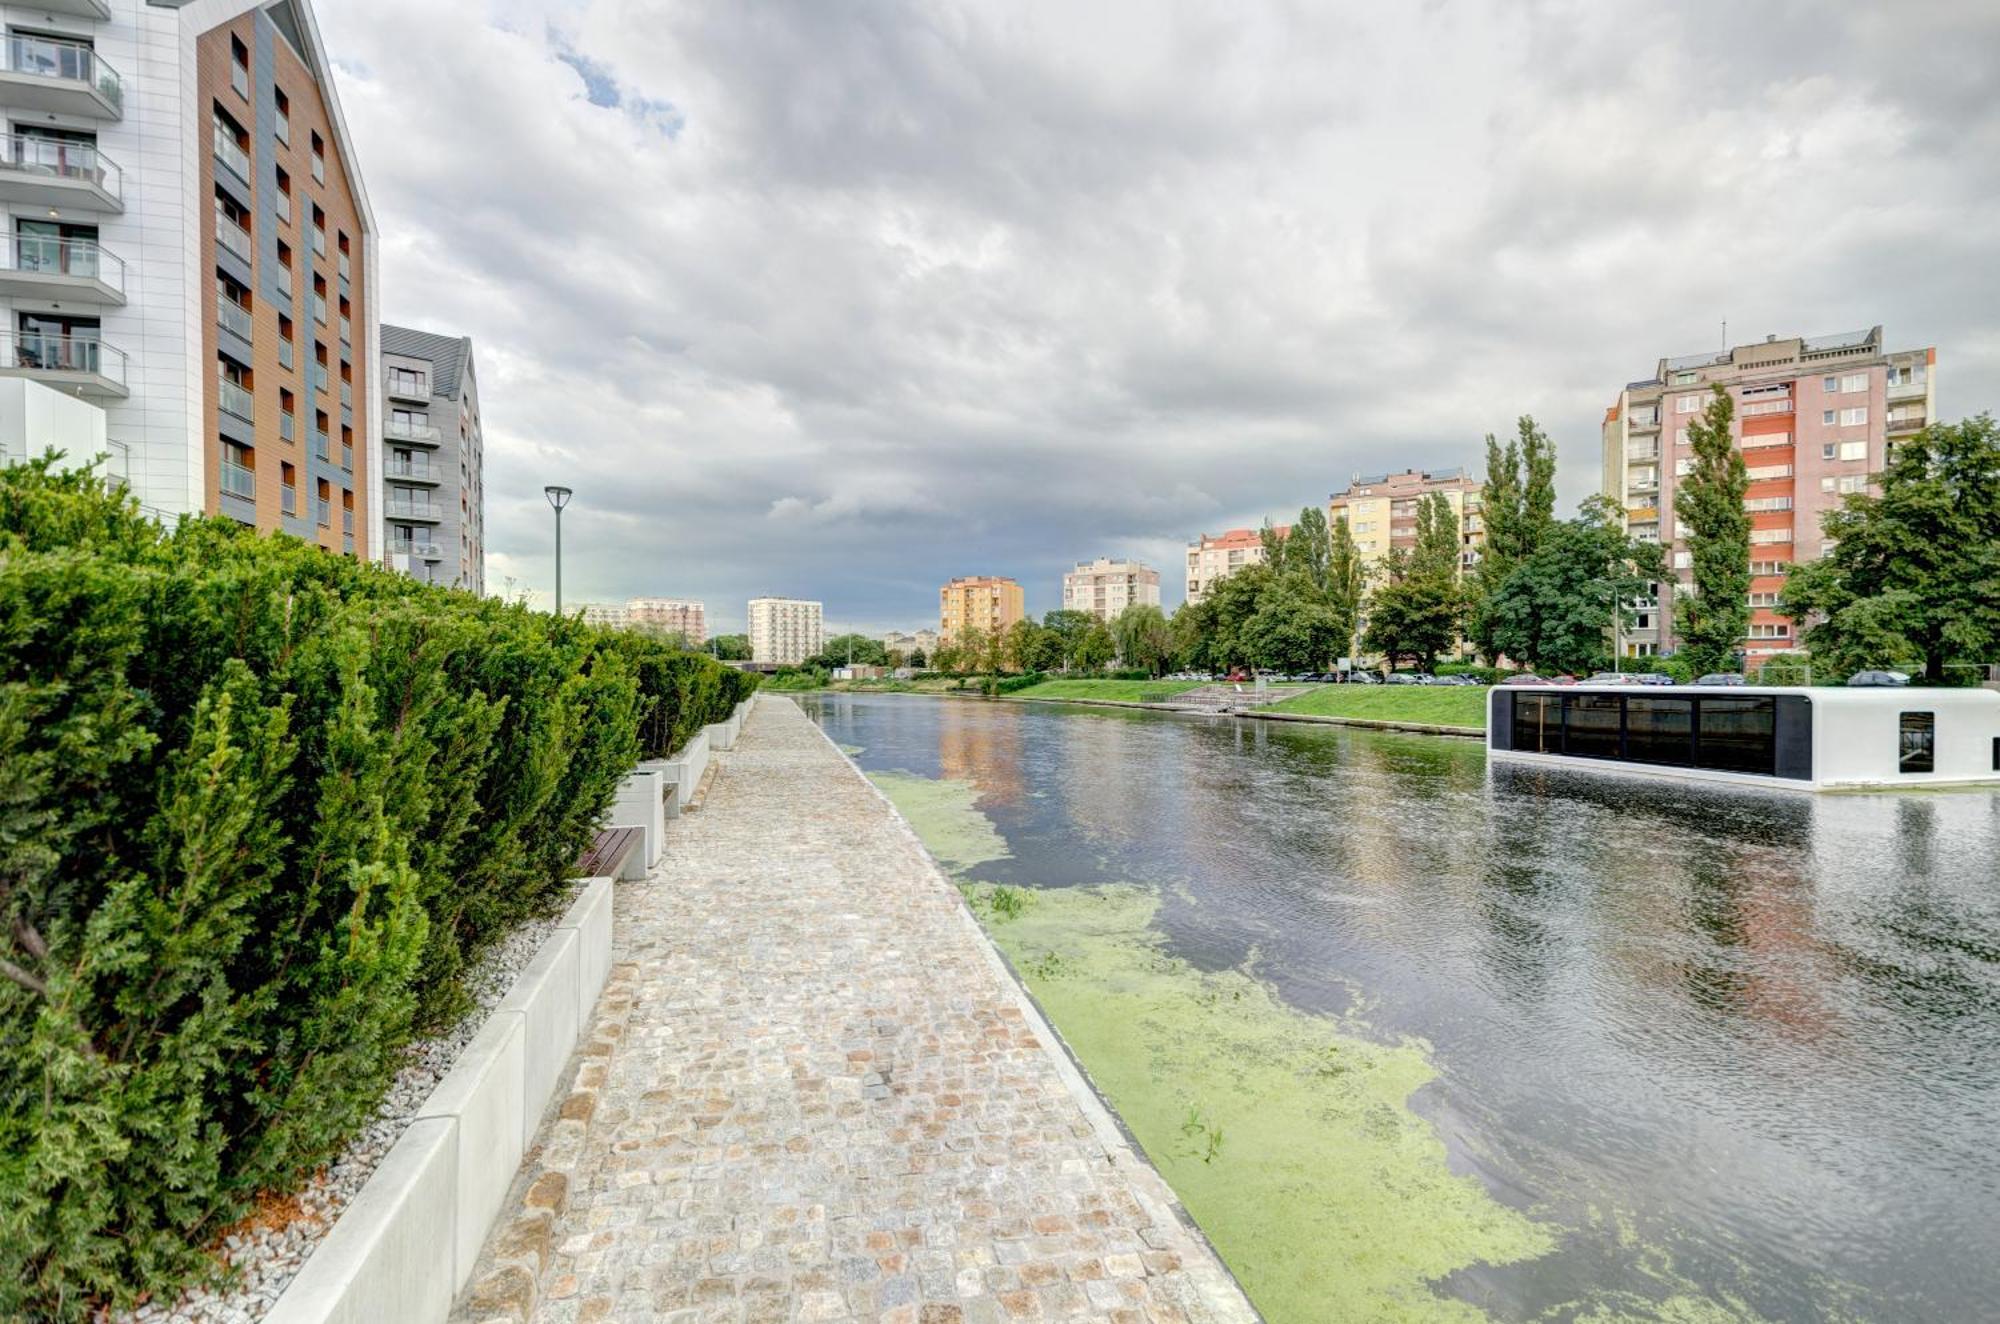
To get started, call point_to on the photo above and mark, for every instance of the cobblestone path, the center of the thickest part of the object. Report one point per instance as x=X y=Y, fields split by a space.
x=812 y=1092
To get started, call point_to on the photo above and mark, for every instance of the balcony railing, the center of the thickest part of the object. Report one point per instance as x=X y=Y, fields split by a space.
x=346 y=520
x=1907 y=390
x=414 y=510
x=288 y=426
x=230 y=153
x=322 y=511
x=65 y=61
x=347 y=457
x=1648 y=420
x=413 y=432
x=286 y=354
x=288 y=499
x=318 y=168
x=1753 y=408
x=347 y=393
x=346 y=331
x=430 y=551
x=234 y=399
x=233 y=317
x=238 y=480
x=285 y=281
x=25 y=154
x=319 y=241
x=410 y=469
x=1907 y=423
x=232 y=236
x=1636 y=454
x=319 y=308
x=346 y=267
x=322 y=446
x=50 y=256
x=41 y=353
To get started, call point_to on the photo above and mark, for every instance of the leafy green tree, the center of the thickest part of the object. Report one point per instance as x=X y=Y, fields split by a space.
x=1915 y=571
x=1272 y=539
x=1069 y=628
x=837 y=651
x=730 y=647
x=1308 y=549
x=1708 y=501
x=1143 y=638
x=1346 y=587
x=1095 y=650
x=1292 y=629
x=1232 y=601
x=1418 y=612
x=1021 y=645
x=917 y=660
x=1517 y=510
x=1556 y=609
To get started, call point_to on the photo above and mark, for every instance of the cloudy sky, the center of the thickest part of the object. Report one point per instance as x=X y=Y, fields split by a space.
x=840 y=300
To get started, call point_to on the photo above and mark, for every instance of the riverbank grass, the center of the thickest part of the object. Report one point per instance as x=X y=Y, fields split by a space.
x=1437 y=705
x=1124 y=691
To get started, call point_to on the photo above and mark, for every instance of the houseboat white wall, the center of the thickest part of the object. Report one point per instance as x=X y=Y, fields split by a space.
x=1780 y=737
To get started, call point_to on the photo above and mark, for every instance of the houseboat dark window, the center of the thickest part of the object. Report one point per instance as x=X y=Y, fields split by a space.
x=1659 y=730
x=1996 y=753
x=1918 y=749
x=1738 y=735
x=1591 y=725
x=1538 y=723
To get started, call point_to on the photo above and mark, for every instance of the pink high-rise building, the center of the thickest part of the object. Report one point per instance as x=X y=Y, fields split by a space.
x=1816 y=418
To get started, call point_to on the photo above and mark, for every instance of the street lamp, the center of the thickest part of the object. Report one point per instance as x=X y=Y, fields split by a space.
x=558 y=497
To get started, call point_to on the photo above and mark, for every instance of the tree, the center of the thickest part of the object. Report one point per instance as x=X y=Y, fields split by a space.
x=837 y=651
x=1915 y=571
x=1517 y=510
x=1233 y=600
x=1069 y=628
x=1308 y=548
x=1021 y=645
x=1292 y=629
x=1095 y=650
x=1142 y=637
x=917 y=659
x=1346 y=583
x=1708 y=502
x=1555 y=609
x=1418 y=612
x=1538 y=484
x=730 y=647
x=1272 y=539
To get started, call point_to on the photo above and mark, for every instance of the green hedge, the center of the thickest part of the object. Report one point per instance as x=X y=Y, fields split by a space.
x=260 y=807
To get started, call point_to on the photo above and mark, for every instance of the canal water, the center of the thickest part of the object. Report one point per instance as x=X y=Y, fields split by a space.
x=1679 y=1053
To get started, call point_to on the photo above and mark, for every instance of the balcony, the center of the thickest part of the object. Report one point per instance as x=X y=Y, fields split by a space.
x=97 y=9
x=428 y=511
x=409 y=471
x=43 y=172
x=230 y=153
x=322 y=512
x=77 y=364
x=235 y=400
x=1642 y=422
x=1907 y=423
x=408 y=385
x=238 y=480
x=233 y=237
x=421 y=434
x=429 y=551
x=322 y=446
x=233 y=318
x=1915 y=390
x=59 y=78
x=1641 y=455
x=288 y=499
x=61 y=270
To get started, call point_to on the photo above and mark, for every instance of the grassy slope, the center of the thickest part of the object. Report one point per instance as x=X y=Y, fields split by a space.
x=1127 y=690
x=1456 y=705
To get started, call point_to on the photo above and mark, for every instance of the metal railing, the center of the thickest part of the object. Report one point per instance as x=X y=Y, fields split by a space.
x=44 y=353
x=322 y=511
x=288 y=427
x=412 y=432
x=238 y=480
x=288 y=499
x=322 y=446
x=230 y=153
x=25 y=154
x=1907 y=423
x=48 y=255
x=234 y=399
x=430 y=551
x=65 y=61
x=232 y=236
x=412 y=470
x=414 y=510
x=409 y=385
x=233 y=317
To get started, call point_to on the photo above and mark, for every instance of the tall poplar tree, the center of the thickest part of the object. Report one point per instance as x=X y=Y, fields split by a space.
x=1517 y=510
x=1708 y=501
x=1307 y=547
x=1345 y=585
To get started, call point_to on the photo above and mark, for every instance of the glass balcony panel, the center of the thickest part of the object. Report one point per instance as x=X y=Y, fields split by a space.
x=234 y=399
x=238 y=480
x=66 y=61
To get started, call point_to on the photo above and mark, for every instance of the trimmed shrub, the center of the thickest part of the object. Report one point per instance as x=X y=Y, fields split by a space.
x=260 y=808
x=1009 y=684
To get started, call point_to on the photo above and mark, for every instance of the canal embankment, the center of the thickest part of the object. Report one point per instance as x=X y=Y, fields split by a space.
x=814 y=1091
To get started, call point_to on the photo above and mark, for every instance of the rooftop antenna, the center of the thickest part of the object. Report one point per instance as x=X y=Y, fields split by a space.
x=1725 y=333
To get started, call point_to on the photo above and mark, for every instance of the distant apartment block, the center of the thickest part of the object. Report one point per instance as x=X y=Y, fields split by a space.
x=191 y=256
x=1105 y=587
x=1213 y=558
x=979 y=602
x=1381 y=512
x=785 y=631
x=906 y=643
x=669 y=616
x=434 y=485
x=1816 y=418
x=605 y=615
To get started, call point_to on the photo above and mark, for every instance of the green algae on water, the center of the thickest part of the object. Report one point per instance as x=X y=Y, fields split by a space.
x=946 y=817
x=1288 y=1135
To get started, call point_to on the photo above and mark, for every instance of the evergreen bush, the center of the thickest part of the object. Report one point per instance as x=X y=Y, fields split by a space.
x=260 y=808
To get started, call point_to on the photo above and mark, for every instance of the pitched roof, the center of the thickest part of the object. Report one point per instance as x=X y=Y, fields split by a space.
x=447 y=355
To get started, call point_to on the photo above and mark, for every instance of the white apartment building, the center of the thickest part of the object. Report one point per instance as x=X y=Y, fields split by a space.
x=184 y=217
x=605 y=615
x=1105 y=587
x=786 y=631
x=682 y=616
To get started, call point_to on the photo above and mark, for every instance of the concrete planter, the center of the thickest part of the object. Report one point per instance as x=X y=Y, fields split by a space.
x=404 y=1249
x=685 y=768
x=641 y=804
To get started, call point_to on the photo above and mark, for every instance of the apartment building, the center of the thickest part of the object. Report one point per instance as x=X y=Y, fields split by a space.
x=908 y=642
x=433 y=474
x=1816 y=418
x=1381 y=512
x=190 y=253
x=1212 y=558
x=786 y=631
x=979 y=602
x=670 y=616
x=1105 y=587
x=605 y=615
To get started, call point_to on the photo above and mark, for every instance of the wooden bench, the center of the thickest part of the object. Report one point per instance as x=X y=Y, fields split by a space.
x=609 y=851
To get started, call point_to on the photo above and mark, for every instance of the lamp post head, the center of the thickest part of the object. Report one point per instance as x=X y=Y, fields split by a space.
x=558 y=496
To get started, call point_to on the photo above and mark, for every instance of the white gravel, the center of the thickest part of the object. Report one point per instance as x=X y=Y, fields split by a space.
x=267 y=1259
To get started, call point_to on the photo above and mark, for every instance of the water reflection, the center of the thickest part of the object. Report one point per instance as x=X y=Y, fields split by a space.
x=1746 y=1043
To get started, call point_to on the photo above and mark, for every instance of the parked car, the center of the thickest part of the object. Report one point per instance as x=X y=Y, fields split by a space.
x=1400 y=678
x=1721 y=678
x=1860 y=678
x=1363 y=678
x=1236 y=678
x=1524 y=678
x=1654 y=678
x=1457 y=680
x=1612 y=678
x=1563 y=680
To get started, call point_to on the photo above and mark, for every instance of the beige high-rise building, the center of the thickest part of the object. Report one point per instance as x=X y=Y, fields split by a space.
x=907 y=642
x=785 y=631
x=681 y=616
x=1816 y=419
x=1105 y=587
x=605 y=615
x=979 y=602
x=1381 y=512
x=1212 y=558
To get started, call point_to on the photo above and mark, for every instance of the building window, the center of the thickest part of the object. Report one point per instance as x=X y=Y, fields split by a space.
x=1831 y=385
x=1917 y=743
x=1854 y=381
x=1687 y=404
x=1828 y=450
x=283 y=128
x=1685 y=379
x=1854 y=418
x=1853 y=450
x=1828 y=417
x=283 y=205
x=318 y=159
x=239 y=67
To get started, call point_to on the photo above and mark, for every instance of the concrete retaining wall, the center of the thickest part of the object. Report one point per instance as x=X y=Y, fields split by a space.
x=404 y=1249
x=639 y=804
